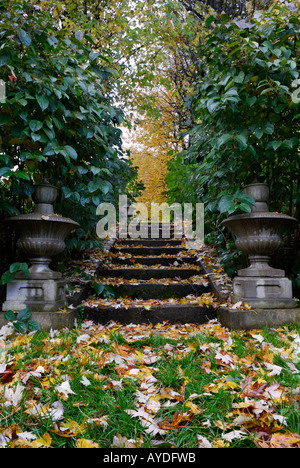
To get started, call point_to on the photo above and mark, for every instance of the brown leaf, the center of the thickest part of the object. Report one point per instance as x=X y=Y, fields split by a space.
x=7 y=376
x=178 y=419
x=12 y=77
x=279 y=440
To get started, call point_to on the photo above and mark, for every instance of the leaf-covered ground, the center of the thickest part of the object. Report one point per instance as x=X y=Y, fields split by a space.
x=180 y=385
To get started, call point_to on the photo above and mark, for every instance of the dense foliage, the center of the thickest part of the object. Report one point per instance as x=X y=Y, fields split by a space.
x=229 y=83
x=246 y=115
x=58 y=120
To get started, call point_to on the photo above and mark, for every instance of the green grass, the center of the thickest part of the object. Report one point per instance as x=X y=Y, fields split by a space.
x=117 y=361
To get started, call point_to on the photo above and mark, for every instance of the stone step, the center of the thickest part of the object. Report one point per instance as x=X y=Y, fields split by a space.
x=158 y=290
x=147 y=273
x=183 y=313
x=150 y=242
x=147 y=250
x=151 y=260
x=160 y=231
x=152 y=284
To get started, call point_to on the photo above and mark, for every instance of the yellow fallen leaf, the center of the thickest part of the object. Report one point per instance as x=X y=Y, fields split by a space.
x=229 y=385
x=44 y=441
x=86 y=443
x=68 y=428
x=194 y=408
x=219 y=443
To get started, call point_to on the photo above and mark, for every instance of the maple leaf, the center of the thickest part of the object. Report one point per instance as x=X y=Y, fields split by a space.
x=279 y=440
x=68 y=428
x=177 y=420
x=14 y=395
x=85 y=443
x=274 y=392
x=230 y=436
x=64 y=389
x=83 y=338
x=122 y=442
x=194 y=408
x=103 y=421
x=224 y=358
x=275 y=370
x=56 y=412
x=37 y=373
x=26 y=436
x=171 y=394
x=147 y=421
x=44 y=441
x=203 y=442
x=85 y=381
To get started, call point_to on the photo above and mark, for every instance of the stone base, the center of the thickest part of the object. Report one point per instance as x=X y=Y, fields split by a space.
x=264 y=293
x=236 y=319
x=50 y=320
x=44 y=295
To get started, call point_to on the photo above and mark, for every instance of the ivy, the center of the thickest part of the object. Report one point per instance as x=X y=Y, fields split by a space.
x=59 y=119
x=243 y=109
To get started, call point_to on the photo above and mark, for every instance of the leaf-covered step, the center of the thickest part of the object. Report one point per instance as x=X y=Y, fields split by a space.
x=184 y=313
x=152 y=260
x=158 y=290
x=150 y=242
x=146 y=273
x=147 y=250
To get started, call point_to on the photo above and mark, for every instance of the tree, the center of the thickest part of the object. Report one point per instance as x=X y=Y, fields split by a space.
x=58 y=120
x=246 y=114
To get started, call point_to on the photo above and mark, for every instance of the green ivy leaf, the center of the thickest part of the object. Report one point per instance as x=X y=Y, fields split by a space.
x=22 y=175
x=33 y=325
x=71 y=151
x=93 y=186
x=20 y=327
x=224 y=139
x=98 y=287
x=242 y=140
x=24 y=37
x=19 y=267
x=227 y=204
x=4 y=119
x=24 y=314
x=258 y=132
x=105 y=186
x=35 y=125
x=4 y=59
x=212 y=105
x=245 y=207
x=269 y=128
x=9 y=315
x=43 y=101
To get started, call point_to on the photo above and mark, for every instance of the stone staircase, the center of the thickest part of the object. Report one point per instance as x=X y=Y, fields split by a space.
x=161 y=277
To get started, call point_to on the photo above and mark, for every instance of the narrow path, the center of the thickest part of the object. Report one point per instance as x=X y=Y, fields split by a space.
x=154 y=280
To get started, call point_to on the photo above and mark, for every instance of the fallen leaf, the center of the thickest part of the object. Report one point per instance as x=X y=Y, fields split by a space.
x=203 y=442
x=86 y=443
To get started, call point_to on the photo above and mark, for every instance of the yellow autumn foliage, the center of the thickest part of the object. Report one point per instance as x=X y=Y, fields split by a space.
x=151 y=146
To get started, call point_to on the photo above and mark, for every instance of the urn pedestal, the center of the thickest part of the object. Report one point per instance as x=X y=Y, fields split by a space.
x=41 y=237
x=259 y=234
x=269 y=293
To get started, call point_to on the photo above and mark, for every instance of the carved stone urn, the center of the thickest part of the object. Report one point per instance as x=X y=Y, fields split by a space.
x=259 y=234
x=42 y=236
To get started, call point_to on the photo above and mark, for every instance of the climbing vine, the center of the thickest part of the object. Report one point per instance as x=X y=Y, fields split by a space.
x=58 y=119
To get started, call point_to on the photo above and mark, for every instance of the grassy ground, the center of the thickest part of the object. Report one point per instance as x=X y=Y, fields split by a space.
x=183 y=386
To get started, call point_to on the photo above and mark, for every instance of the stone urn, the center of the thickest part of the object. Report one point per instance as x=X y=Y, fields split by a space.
x=42 y=233
x=259 y=234
x=42 y=236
